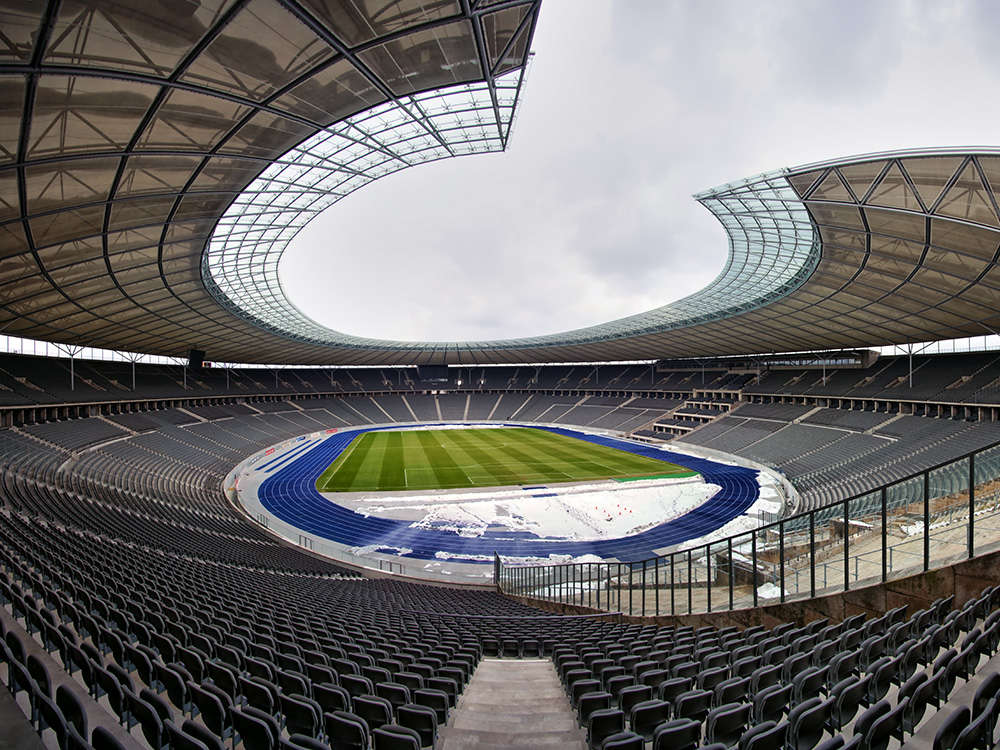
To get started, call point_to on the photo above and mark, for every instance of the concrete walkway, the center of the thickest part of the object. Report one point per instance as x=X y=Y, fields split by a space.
x=17 y=732
x=513 y=703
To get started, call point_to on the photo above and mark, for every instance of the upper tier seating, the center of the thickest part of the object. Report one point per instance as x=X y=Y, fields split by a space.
x=956 y=378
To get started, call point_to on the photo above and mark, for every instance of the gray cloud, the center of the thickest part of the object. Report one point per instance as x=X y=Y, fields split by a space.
x=629 y=109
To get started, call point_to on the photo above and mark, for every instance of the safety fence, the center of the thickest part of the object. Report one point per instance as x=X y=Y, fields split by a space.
x=927 y=520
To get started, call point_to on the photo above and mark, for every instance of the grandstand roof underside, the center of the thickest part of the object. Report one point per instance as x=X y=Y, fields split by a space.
x=156 y=157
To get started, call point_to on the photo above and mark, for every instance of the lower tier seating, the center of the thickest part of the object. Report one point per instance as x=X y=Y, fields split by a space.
x=168 y=644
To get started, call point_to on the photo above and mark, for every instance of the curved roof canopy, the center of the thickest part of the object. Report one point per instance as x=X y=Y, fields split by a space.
x=155 y=159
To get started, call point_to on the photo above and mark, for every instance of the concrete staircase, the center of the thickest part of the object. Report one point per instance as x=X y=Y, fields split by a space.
x=510 y=704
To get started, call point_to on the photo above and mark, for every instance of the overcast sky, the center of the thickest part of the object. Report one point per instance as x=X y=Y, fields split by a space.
x=630 y=107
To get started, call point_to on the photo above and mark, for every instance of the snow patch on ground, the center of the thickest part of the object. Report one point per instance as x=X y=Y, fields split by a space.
x=370 y=548
x=578 y=513
x=436 y=568
x=769 y=591
x=511 y=561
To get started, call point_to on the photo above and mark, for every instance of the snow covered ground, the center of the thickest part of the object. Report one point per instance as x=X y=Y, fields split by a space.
x=588 y=512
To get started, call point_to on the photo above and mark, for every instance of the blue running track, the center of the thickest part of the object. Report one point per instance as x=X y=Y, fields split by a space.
x=290 y=494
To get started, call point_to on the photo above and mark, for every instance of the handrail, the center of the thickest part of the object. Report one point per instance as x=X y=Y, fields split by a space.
x=847 y=542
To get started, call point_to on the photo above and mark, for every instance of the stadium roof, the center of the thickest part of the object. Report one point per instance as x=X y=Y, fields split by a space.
x=157 y=158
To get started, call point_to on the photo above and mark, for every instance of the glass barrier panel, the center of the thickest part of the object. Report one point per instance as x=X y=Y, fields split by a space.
x=948 y=492
x=718 y=571
x=820 y=568
x=745 y=572
x=905 y=528
x=987 y=477
x=678 y=582
x=860 y=533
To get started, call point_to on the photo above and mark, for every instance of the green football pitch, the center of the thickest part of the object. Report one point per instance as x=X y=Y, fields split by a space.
x=389 y=460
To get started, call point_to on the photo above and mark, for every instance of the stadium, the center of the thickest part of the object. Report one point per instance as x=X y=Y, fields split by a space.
x=733 y=520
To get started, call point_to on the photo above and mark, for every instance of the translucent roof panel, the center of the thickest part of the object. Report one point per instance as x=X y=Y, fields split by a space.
x=773 y=242
x=847 y=271
x=241 y=261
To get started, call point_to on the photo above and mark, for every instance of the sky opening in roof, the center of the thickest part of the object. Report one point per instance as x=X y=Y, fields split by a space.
x=628 y=110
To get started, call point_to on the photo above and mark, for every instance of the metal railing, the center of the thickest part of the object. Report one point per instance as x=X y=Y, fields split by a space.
x=927 y=520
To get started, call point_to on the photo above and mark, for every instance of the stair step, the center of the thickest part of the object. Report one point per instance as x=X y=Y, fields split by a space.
x=513 y=703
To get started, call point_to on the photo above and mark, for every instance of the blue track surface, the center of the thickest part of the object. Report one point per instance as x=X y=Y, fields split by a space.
x=290 y=494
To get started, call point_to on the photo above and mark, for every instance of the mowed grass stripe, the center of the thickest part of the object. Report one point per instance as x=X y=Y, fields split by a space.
x=604 y=461
x=392 y=473
x=612 y=461
x=566 y=456
x=485 y=463
x=446 y=471
x=369 y=458
x=576 y=463
x=502 y=462
x=445 y=459
x=345 y=468
x=536 y=461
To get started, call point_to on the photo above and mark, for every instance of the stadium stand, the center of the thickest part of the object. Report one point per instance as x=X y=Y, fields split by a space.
x=157 y=580
x=954 y=378
x=816 y=448
x=173 y=628
x=813 y=444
